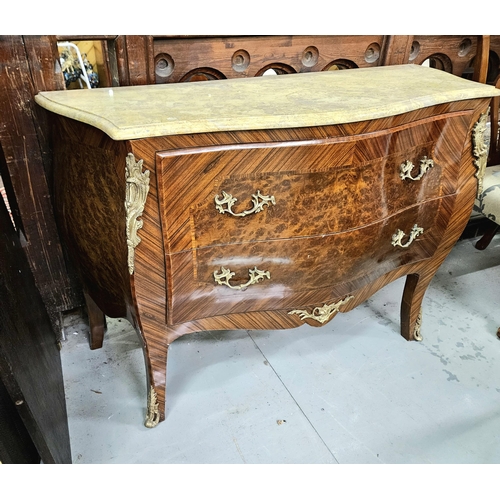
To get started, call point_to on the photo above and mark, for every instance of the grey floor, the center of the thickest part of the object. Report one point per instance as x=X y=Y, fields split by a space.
x=351 y=392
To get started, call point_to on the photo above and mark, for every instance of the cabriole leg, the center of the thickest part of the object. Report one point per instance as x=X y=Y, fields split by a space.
x=97 y=322
x=156 y=368
x=411 y=305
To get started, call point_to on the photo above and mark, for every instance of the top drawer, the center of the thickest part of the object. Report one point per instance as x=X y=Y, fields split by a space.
x=256 y=192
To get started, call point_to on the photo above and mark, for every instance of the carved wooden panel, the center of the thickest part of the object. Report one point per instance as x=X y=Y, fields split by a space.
x=193 y=59
x=451 y=53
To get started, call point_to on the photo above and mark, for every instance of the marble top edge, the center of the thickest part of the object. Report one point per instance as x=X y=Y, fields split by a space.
x=321 y=98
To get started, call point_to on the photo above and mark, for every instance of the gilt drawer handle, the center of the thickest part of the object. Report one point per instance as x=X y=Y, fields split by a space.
x=407 y=167
x=397 y=237
x=259 y=202
x=324 y=313
x=223 y=277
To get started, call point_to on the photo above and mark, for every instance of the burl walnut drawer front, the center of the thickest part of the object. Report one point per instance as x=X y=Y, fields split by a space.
x=282 y=274
x=256 y=192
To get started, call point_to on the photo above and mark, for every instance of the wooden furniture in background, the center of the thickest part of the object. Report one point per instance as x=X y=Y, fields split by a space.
x=494 y=59
x=262 y=203
x=28 y=64
x=168 y=59
x=33 y=421
x=451 y=53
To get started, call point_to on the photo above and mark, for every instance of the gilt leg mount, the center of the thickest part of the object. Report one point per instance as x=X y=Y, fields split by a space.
x=153 y=415
x=416 y=331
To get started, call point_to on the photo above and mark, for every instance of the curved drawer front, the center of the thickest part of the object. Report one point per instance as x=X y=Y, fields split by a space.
x=283 y=274
x=256 y=192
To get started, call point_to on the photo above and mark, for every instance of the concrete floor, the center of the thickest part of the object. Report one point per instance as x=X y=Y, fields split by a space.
x=351 y=392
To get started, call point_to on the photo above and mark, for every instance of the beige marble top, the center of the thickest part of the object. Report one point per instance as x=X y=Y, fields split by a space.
x=285 y=101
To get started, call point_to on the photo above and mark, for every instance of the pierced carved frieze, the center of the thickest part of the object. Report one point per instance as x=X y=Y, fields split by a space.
x=135 y=200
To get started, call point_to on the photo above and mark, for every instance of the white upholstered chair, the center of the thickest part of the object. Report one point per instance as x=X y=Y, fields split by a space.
x=488 y=200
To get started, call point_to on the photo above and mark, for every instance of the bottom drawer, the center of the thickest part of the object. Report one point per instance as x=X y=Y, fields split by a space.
x=287 y=273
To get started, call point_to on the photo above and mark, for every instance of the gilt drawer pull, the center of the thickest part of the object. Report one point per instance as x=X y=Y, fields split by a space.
x=324 y=313
x=399 y=235
x=407 y=167
x=223 y=277
x=258 y=200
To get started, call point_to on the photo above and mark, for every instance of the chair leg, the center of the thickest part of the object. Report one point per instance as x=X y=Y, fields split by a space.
x=487 y=237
